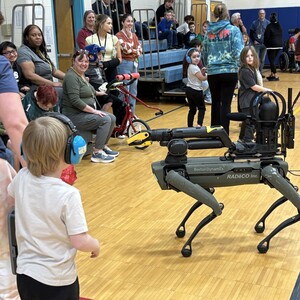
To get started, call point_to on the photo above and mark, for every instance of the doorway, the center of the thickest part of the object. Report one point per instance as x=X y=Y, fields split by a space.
x=64 y=33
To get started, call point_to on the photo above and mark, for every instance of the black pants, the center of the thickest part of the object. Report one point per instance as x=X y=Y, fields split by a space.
x=272 y=54
x=30 y=289
x=196 y=101
x=247 y=128
x=222 y=87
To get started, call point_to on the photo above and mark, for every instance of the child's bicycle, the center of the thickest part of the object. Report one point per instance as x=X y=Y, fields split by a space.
x=130 y=124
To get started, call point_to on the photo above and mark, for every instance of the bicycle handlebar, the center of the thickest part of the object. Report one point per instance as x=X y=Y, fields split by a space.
x=130 y=76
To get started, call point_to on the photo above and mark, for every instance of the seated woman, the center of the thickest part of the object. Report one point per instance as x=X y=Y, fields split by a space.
x=40 y=101
x=34 y=61
x=79 y=105
x=9 y=50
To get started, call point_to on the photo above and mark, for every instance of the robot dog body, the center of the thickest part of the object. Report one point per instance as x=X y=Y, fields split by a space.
x=243 y=163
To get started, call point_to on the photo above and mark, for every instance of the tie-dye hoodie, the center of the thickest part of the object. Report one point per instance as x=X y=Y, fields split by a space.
x=222 y=46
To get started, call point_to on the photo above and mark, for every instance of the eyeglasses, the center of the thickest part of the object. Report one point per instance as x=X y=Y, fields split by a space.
x=8 y=53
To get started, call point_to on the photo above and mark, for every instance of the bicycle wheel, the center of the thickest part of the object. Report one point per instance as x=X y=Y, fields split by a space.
x=137 y=126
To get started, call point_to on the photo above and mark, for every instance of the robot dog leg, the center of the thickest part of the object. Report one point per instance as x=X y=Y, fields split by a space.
x=180 y=183
x=289 y=192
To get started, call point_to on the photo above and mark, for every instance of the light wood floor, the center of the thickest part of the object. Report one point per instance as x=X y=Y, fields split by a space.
x=136 y=221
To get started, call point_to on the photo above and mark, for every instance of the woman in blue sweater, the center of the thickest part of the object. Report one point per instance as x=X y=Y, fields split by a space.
x=222 y=46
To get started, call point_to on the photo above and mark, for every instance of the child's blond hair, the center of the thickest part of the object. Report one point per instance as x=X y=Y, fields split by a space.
x=44 y=143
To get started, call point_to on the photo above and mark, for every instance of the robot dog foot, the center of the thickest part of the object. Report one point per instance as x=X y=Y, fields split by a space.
x=187 y=248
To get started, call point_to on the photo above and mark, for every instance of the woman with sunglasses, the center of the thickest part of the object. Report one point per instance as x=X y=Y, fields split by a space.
x=79 y=105
x=34 y=60
x=9 y=50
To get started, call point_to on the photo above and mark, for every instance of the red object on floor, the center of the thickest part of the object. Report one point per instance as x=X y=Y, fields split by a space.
x=82 y=298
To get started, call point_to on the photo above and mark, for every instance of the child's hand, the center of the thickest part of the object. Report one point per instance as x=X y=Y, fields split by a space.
x=95 y=253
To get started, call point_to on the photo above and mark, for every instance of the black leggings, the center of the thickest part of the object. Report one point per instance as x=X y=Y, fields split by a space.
x=222 y=87
x=196 y=101
x=272 y=54
x=31 y=289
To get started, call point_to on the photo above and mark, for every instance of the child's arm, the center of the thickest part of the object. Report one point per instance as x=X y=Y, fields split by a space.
x=84 y=242
x=200 y=76
x=260 y=89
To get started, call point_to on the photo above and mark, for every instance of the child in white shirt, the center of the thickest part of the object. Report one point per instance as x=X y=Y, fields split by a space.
x=194 y=91
x=49 y=217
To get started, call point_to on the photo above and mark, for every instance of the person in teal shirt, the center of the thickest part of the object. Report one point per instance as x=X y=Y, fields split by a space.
x=222 y=46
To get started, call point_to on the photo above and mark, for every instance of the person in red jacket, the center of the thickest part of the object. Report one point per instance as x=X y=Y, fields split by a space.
x=87 y=29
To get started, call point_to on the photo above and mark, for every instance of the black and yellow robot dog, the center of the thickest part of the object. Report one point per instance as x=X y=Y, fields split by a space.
x=243 y=163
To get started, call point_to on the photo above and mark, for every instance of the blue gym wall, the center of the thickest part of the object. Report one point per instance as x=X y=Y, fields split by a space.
x=288 y=17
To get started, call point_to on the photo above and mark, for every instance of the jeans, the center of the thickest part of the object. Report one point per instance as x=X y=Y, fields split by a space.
x=261 y=51
x=171 y=36
x=125 y=67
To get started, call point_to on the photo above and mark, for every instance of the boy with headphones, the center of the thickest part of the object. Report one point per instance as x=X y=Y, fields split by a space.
x=49 y=217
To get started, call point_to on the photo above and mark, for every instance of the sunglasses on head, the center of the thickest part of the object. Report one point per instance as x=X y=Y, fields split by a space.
x=80 y=53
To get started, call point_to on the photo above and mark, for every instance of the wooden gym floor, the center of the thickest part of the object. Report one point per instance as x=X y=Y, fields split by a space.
x=136 y=221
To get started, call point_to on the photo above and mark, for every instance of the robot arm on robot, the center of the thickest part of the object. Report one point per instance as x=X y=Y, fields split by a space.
x=261 y=161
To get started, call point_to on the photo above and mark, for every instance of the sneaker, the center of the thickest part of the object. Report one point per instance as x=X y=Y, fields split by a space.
x=207 y=100
x=102 y=157
x=121 y=136
x=110 y=152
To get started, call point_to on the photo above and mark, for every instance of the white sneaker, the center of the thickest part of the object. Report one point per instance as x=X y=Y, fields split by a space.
x=207 y=100
x=121 y=136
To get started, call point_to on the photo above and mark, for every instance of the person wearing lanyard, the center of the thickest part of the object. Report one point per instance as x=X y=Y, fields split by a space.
x=257 y=31
x=102 y=37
